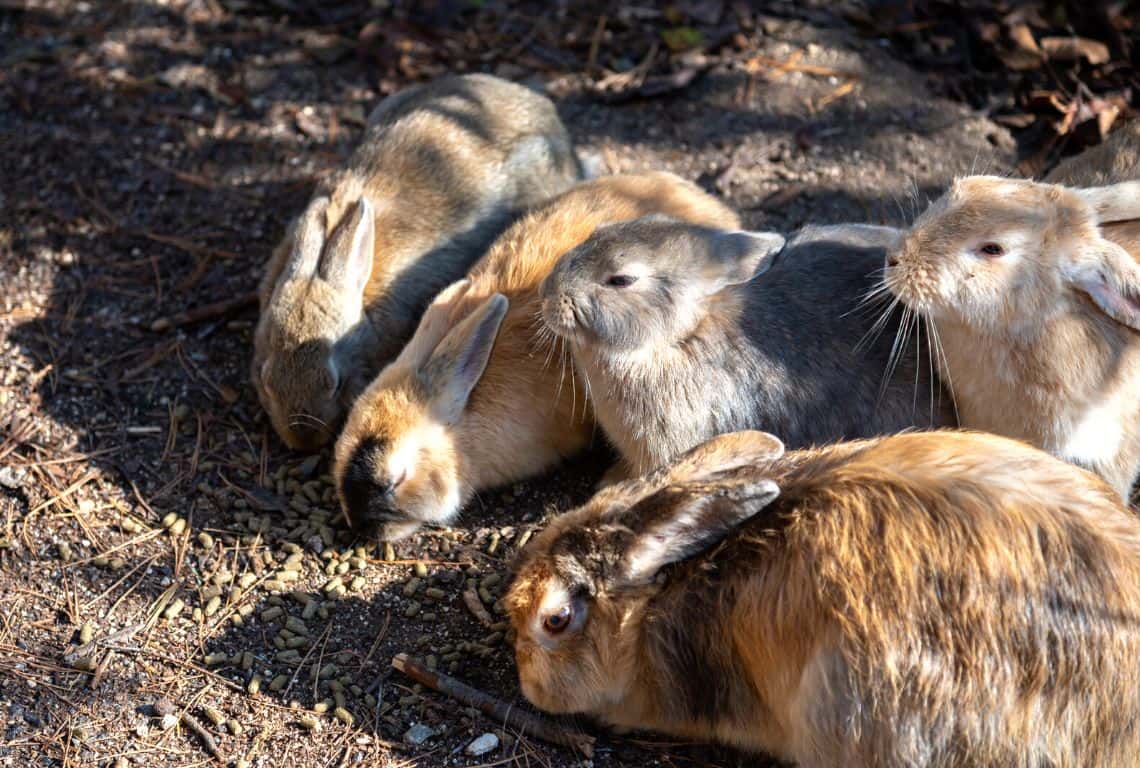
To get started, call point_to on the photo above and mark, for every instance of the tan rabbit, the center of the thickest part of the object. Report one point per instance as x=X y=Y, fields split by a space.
x=1115 y=160
x=442 y=169
x=1037 y=314
x=925 y=600
x=460 y=411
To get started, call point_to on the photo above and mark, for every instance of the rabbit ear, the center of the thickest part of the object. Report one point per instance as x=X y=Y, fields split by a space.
x=679 y=522
x=347 y=260
x=723 y=453
x=1116 y=202
x=458 y=362
x=434 y=325
x=1111 y=278
x=737 y=257
x=308 y=240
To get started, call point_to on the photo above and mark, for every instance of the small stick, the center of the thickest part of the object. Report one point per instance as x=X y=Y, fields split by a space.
x=529 y=724
x=205 y=312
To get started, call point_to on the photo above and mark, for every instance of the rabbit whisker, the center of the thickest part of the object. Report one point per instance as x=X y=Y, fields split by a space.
x=943 y=365
x=878 y=326
x=306 y=420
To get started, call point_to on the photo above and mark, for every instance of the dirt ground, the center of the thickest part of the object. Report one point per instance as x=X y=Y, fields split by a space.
x=161 y=552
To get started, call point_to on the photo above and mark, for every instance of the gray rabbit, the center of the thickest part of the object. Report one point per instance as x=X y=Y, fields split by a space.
x=684 y=332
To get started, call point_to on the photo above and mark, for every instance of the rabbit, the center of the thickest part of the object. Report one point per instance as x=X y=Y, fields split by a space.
x=1116 y=159
x=687 y=331
x=928 y=599
x=479 y=397
x=1037 y=314
x=442 y=169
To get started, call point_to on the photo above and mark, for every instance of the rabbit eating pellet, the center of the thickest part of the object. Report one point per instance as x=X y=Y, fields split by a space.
x=442 y=169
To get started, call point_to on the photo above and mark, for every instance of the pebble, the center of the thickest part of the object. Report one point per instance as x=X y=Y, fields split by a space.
x=488 y=742
x=169 y=721
x=418 y=734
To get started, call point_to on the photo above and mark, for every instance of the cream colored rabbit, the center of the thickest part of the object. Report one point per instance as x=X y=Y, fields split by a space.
x=926 y=600
x=442 y=169
x=479 y=397
x=1038 y=314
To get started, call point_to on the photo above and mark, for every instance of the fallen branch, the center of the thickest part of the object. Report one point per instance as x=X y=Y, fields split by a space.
x=164 y=707
x=205 y=312
x=508 y=715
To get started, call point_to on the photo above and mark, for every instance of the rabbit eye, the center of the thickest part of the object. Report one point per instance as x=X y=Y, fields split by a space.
x=621 y=281
x=991 y=249
x=556 y=623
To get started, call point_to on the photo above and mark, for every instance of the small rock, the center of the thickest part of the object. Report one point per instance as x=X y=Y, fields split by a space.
x=488 y=742
x=12 y=477
x=418 y=734
x=169 y=721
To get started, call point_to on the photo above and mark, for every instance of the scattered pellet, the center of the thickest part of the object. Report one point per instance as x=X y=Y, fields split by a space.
x=174 y=608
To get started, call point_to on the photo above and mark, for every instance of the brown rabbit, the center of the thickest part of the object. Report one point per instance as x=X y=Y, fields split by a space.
x=1037 y=314
x=442 y=169
x=926 y=599
x=475 y=400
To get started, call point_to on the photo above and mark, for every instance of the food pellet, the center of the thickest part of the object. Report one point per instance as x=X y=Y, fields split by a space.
x=174 y=608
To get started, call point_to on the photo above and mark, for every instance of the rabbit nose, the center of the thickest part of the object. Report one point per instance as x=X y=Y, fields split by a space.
x=369 y=505
x=369 y=502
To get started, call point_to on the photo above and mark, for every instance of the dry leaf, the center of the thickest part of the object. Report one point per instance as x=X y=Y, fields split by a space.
x=1071 y=48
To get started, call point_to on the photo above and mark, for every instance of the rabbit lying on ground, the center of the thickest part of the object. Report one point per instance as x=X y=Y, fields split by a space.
x=923 y=600
x=442 y=169
x=478 y=397
x=685 y=332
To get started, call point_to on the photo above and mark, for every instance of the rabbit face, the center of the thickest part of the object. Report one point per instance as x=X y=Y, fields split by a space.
x=304 y=368
x=396 y=465
x=570 y=644
x=643 y=283
x=301 y=382
x=578 y=600
x=1003 y=255
x=397 y=462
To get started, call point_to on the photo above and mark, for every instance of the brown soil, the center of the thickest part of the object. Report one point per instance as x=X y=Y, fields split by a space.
x=151 y=155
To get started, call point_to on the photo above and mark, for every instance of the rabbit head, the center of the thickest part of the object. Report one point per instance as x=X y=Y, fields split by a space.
x=1003 y=255
x=397 y=462
x=578 y=595
x=642 y=283
x=303 y=367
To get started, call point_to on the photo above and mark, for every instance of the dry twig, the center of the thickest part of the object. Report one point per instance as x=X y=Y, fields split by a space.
x=529 y=724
